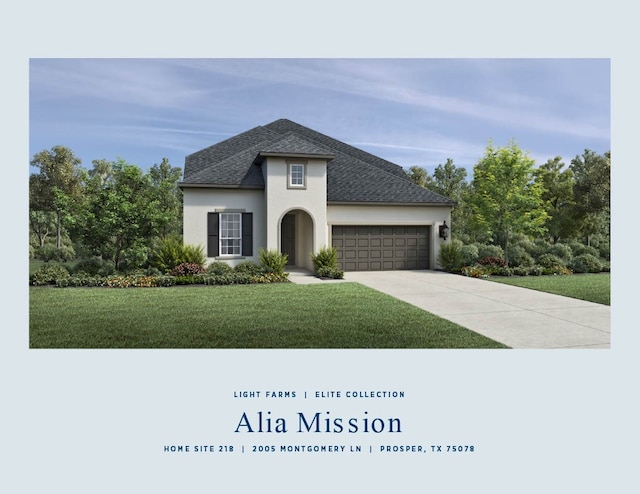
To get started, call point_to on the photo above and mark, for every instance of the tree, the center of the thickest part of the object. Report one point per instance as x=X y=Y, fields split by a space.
x=592 y=191
x=418 y=175
x=166 y=197
x=557 y=194
x=506 y=200
x=448 y=180
x=57 y=186
x=118 y=215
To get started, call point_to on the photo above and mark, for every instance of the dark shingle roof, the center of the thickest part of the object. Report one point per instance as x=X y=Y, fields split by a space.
x=353 y=175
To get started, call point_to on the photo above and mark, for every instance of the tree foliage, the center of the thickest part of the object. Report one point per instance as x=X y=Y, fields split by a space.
x=506 y=200
x=592 y=192
x=57 y=186
x=557 y=194
x=114 y=211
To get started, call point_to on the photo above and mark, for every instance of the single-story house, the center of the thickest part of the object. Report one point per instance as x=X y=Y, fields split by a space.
x=287 y=187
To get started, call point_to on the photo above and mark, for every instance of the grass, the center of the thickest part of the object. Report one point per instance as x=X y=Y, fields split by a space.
x=591 y=287
x=344 y=315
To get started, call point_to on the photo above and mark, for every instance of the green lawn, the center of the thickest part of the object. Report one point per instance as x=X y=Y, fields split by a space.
x=337 y=315
x=591 y=287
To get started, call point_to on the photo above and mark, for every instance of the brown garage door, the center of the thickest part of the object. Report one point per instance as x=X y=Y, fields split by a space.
x=380 y=248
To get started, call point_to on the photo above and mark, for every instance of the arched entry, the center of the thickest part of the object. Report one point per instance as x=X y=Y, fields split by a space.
x=296 y=238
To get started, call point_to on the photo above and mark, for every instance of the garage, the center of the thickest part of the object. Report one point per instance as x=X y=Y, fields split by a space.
x=381 y=248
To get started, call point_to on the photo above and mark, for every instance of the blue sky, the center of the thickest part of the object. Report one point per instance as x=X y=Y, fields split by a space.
x=409 y=111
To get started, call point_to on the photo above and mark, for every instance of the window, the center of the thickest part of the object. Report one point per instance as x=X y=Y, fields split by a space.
x=296 y=175
x=230 y=234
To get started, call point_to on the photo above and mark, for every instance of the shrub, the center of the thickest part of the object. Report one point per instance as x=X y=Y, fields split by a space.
x=539 y=247
x=48 y=275
x=586 y=263
x=605 y=250
x=497 y=262
x=450 y=256
x=193 y=254
x=94 y=267
x=66 y=253
x=469 y=254
x=219 y=268
x=579 y=249
x=270 y=277
x=563 y=251
x=248 y=267
x=273 y=261
x=133 y=258
x=550 y=261
x=171 y=252
x=521 y=270
x=327 y=272
x=325 y=263
x=187 y=268
x=48 y=252
x=168 y=254
x=327 y=257
x=488 y=250
x=474 y=271
x=518 y=256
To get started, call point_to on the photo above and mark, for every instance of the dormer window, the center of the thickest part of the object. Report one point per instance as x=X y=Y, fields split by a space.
x=297 y=176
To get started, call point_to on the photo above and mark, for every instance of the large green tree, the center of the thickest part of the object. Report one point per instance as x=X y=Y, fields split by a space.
x=119 y=212
x=57 y=187
x=506 y=200
x=592 y=192
x=557 y=194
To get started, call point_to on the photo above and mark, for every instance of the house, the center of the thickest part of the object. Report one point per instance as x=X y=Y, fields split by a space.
x=287 y=187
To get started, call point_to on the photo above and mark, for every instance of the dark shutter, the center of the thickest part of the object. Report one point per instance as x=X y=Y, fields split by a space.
x=213 y=234
x=247 y=234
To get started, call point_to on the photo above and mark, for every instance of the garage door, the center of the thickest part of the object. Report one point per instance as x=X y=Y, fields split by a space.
x=378 y=248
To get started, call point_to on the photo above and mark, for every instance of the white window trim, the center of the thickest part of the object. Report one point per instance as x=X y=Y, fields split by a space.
x=221 y=239
x=290 y=166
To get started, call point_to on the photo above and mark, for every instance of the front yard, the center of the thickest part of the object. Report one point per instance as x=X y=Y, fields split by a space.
x=344 y=315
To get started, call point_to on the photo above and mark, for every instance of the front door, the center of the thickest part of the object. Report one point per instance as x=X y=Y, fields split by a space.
x=289 y=238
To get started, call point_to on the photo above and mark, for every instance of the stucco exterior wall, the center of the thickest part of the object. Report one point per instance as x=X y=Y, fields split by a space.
x=432 y=216
x=200 y=201
x=280 y=199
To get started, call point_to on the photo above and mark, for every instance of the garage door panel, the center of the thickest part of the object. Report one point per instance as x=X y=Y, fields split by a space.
x=367 y=247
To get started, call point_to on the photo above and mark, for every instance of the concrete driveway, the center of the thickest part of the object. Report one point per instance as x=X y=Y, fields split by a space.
x=517 y=317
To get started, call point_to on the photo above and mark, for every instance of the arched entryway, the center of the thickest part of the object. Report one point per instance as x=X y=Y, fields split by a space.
x=296 y=238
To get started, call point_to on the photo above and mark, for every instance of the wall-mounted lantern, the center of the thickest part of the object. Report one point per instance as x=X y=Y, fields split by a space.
x=444 y=229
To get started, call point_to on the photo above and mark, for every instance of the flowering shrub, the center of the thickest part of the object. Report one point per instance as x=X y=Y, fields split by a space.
x=271 y=278
x=493 y=261
x=187 y=269
x=474 y=271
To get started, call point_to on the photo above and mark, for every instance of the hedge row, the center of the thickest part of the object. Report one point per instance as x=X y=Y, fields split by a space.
x=60 y=277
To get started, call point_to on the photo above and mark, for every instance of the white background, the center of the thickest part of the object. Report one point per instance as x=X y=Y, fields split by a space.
x=96 y=421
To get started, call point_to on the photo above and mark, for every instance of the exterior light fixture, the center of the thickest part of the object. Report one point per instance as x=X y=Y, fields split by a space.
x=443 y=230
